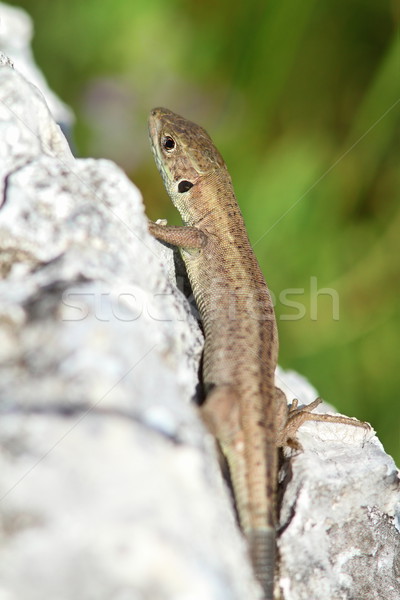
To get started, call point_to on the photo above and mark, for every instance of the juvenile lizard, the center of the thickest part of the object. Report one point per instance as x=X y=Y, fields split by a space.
x=243 y=409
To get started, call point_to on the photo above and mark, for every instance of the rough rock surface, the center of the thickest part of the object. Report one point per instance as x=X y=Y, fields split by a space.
x=16 y=32
x=109 y=485
x=340 y=517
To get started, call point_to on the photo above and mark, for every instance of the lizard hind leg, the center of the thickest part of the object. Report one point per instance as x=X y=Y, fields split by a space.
x=221 y=416
x=297 y=416
x=221 y=413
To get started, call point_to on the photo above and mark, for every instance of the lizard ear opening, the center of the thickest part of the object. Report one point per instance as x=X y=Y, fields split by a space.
x=184 y=186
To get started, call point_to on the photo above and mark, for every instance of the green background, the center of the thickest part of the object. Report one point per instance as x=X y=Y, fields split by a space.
x=303 y=100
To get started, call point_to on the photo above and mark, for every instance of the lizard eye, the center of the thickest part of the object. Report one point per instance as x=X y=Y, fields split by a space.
x=168 y=143
x=184 y=186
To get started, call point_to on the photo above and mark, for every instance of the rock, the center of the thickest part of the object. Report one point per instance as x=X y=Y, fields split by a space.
x=340 y=513
x=339 y=518
x=16 y=29
x=109 y=483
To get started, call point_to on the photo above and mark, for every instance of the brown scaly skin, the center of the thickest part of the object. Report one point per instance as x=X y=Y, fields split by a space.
x=242 y=409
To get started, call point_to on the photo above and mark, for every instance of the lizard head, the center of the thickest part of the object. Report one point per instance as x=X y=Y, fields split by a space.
x=183 y=151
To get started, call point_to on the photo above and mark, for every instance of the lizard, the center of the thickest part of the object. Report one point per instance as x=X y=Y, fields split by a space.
x=243 y=409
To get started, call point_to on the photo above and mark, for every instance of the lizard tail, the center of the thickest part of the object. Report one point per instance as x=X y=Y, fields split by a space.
x=262 y=551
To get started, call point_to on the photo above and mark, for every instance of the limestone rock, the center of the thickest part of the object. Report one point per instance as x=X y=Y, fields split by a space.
x=108 y=481
x=16 y=32
x=109 y=484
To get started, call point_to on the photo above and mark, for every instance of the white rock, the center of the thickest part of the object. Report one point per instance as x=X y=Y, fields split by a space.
x=16 y=31
x=108 y=480
x=339 y=517
x=109 y=485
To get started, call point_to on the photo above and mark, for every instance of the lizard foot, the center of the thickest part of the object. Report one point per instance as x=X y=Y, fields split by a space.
x=297 y=416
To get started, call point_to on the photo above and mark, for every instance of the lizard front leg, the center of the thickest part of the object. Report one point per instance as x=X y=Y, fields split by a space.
x=185 y=237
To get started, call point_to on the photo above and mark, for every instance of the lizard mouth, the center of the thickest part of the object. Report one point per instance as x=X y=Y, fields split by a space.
x=154 y=131
x=154 y=127
x=156 y=123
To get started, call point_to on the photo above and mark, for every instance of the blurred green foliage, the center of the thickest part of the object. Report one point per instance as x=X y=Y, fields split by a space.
x=303 y=100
